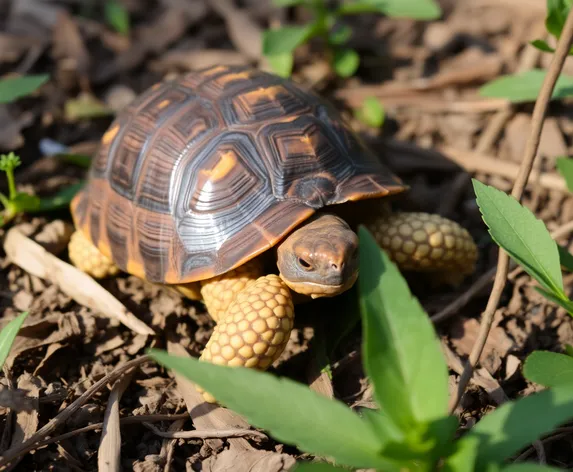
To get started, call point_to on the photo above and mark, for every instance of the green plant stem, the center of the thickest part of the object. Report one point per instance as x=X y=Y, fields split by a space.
x=532 y=144
x=11 y=184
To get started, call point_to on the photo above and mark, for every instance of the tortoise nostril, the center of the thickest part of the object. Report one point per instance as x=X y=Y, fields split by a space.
x=334 y=266
x=337 y=267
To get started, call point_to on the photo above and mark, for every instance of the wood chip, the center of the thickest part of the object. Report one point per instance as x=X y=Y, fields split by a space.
x=34 y=259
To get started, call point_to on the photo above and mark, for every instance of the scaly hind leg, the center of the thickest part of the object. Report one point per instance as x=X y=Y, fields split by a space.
x=426 y=242
x=255 y=317
x=88 y=258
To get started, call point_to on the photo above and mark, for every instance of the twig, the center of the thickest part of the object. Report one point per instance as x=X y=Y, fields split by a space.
x=61 y=418
x=534 y=137
x=99 y=426
x=206 y=433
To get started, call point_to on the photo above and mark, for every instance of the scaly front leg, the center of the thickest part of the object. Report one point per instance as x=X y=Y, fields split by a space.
x=254 y=328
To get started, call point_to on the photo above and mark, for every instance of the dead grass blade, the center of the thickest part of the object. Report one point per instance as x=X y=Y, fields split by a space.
x=206 y=434
x=109 y=452
x=34 y=259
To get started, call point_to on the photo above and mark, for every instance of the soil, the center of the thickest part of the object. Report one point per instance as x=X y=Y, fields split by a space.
x=438 y=133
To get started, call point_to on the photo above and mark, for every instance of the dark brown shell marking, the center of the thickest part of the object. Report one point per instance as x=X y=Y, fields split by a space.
x=199 y=175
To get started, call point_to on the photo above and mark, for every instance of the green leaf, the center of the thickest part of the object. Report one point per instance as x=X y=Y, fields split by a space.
x=24 y=202
x=463 y=458
x=282 y=63
x=565 y=258
x=557 y=11
x=86 y=106
x=401 y=352
x=288 y=3
x=548 y=368
x=345 y=62
x=524 y=237
x=61 y=199
x=286 y=39
x=525 y=86
x=76 y=159
x=14 y=88
x=340 y=36
x=290 y=411
x=317 y=467
x=569 y=350
x=529 y=467
x=565 y=168
x=516 y=424
x=560 y=299
x=8 y=334
x=413 y=9
x=371 y=113
x=117 y=16
x=542 y=45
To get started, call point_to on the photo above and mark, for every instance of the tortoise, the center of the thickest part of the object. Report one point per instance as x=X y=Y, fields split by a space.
x=204 y=179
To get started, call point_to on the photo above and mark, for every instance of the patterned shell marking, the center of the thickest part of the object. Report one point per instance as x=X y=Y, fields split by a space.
x=199 y=175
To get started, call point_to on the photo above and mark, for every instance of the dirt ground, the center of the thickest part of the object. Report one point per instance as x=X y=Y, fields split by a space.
x=438 y=133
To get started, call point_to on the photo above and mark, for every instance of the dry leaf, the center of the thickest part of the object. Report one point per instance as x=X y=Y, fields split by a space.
x=34 y=259
x=231 y=460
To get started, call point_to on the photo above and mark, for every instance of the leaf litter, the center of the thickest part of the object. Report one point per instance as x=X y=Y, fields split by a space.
x=427 y=78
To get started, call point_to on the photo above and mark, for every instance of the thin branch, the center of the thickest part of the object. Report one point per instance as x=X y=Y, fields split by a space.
x=534 y=137
x=99 y=426
x=206 y=433
x=62 y=417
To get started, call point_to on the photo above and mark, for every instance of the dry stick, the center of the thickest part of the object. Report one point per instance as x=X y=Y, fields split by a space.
x=61 y=418
x=99 y=426
x=534 y=137
x=485 y=279
x=206 y=433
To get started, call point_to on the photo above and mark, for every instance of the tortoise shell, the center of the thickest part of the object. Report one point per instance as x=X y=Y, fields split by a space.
x=200 y=174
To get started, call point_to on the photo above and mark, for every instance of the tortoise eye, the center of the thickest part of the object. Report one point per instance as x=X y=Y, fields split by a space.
x=304 y=264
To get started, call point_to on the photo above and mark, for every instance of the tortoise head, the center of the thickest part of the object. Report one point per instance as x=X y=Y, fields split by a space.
x=320 y=258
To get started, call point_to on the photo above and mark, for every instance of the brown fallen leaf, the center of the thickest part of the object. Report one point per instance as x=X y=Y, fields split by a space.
x=26 y=420
x=34 y=259
x=50 y=351
x=109 y=452
x=248 y=461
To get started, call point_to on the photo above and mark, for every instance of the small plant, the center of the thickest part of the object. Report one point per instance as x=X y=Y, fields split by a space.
x=22 y=202
x=402 y=357
x=8 y=335
x=117 y=16
x=279 y=44
x=371 y=113
x=557 y=11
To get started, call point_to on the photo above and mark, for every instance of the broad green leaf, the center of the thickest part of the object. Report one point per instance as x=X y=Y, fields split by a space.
x=524 y=237
x=77 y=159
x=340 y=36
x=542 y=45
x=282 y=63
x=290 y=411
x=371 y=113
x=8 y=334
x=289 y=3
x=117 y=16
x=565 y=258
x=557 y=11
x=317 y=467
x=565 y=168
x=529 y=467
x=516 y=424
x=14 y=88
x=401 y=352
x=413 y=9
x=24 y=202
x=286 y=39
x=345 y=62
x=548 y=368
x=557 y=298
x=568 y=350
x=463 y=458
x=382 y=423
x=61 y=199
x=525 y=86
